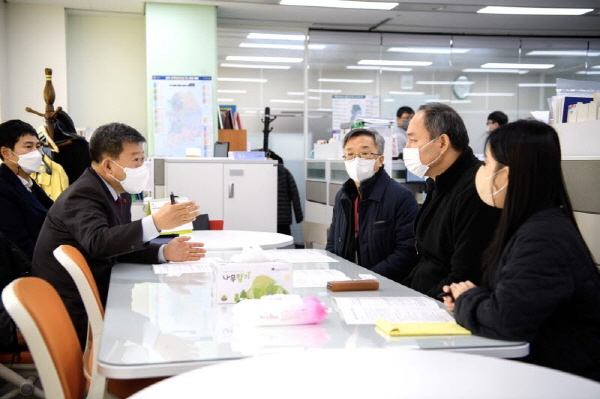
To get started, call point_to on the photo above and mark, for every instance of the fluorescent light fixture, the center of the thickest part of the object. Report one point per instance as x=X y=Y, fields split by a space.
x=491 y=94
x=567 y=53
x=516 y=66
x=282 y=46
x=444 y=82
x=346 y=80
x=460 y=101
x=275 y=36
x=364 y=5
x=388 y=100
x=324 y=91
x=537 y=84
x=533 y=11
x=378 y=68
x=254 y=66
x=249 y=80
x=429 y=50
x=394 y=63
x=407 y=93
x=287 y=101
x=324 y=109
x=233 y=91
x=596 y=67
x=494 y=70
x=295 y=93
x=437 y=100
x=588 y=73
x=314 y=98
x=262 y=59
x=249 y=112
x=224 y=100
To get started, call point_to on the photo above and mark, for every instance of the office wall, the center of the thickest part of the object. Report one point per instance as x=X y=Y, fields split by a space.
x=3 y=59
x=35 y=39
x=106 y=69
x=180 y=40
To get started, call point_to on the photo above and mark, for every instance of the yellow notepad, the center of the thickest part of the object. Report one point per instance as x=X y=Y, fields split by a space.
x=405 y=329
x=155 y=204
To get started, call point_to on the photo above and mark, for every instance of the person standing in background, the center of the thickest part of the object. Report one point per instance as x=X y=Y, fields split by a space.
x=495 y=120
x=403 y=117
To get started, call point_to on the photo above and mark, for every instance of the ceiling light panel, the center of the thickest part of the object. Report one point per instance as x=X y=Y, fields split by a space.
x=394 y=63
x=363 y=5
x=429 y=50
x=565 y=53
x=254 y=66
x=346 y=80
x=533 y=11
x=516 y=66
x=248 y=80
x=282 y=46
x=494 y=70
x=275 y=36
x=378 y=68
x=262 y=59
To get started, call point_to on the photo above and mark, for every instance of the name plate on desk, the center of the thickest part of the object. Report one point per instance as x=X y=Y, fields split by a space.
x=237 y=281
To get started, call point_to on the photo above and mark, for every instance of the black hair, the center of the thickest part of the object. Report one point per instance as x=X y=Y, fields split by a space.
x=404 y=110
x=108 y=140
x=361 y=131
x=531 y=149
x=442 y=119
x=11 y=131
x=498 y=117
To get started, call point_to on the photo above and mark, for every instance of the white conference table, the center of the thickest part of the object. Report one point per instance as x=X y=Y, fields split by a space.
x=230 y=240
x=375 y=373
x=160 y=326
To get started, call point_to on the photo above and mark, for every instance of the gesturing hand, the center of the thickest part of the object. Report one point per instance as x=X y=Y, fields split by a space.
x=180 y=250
x=170 y=215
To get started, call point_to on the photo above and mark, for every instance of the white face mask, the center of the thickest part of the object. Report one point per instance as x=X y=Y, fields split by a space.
x=135 y=180
x=486 y=190
x=30 y=162
x=412 y=160
x=360 y=169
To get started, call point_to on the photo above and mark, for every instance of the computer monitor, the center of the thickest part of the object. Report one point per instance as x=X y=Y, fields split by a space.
x=221 y=149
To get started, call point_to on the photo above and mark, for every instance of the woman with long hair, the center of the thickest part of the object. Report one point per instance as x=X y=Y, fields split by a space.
x=540 y=282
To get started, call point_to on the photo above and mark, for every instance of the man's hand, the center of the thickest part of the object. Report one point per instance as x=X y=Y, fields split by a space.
x=170 y=216
x=180 y=250
x=458 y=289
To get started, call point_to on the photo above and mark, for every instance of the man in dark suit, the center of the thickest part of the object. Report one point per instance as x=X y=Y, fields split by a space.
x=93 y=216
x=23 y=204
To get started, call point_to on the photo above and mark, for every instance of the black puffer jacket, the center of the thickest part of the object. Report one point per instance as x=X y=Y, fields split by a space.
x=545 y=290
x=387 y=211
x=287 y=195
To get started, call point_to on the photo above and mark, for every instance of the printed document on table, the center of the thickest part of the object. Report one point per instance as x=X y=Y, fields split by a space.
x=317 y=278
x=365 y=310
x=177 y=268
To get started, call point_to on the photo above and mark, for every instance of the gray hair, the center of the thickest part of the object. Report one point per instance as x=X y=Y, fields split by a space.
x=442 y=119
x=362 y=131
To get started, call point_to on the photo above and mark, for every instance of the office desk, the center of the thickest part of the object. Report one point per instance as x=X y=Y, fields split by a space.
x=158 y=326
x=229 y=240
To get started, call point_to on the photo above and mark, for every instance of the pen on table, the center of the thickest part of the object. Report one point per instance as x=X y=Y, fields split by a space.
x=443 y=294
x=172 y=198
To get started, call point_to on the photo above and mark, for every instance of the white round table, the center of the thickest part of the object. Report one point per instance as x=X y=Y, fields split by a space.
x=373 y=373
x=227 y=240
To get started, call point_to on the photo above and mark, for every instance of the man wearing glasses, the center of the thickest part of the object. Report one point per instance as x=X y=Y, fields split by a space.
x=373 y=214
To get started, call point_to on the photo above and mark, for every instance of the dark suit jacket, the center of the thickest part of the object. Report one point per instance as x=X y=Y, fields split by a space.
x=86 y=217
x=22 y=212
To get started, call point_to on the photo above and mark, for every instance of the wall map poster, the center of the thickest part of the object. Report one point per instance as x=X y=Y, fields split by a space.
x=183 y=115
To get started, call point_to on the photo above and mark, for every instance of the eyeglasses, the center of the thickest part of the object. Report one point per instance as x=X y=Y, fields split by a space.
x=361 y=155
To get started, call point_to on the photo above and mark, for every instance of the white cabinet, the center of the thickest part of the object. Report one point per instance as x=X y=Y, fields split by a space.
x=241 y=193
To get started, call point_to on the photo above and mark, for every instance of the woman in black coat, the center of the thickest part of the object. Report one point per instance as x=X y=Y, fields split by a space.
x=540 y=282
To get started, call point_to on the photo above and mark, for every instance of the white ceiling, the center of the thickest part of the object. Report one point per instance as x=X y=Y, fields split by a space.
x=441 y=16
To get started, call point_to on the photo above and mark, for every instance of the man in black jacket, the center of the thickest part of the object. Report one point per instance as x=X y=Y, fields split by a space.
x=94 y=215
x=373 y=214
x=453 y=226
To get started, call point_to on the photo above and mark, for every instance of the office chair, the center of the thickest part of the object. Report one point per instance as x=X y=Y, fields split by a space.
x=43 y=320
x=76 y=265
x=10 y=365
